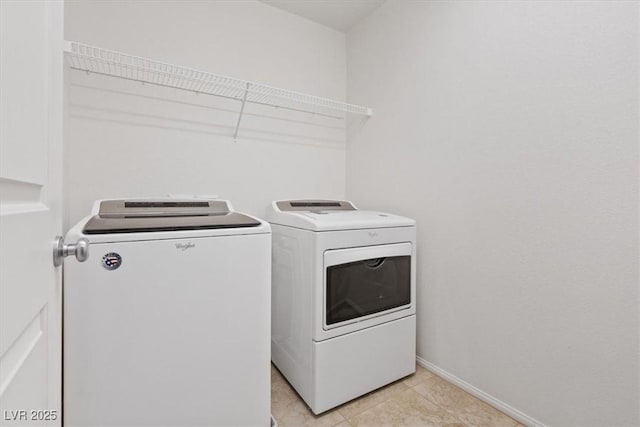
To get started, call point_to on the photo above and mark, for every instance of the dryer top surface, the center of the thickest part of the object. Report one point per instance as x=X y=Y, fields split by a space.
x=332 y=217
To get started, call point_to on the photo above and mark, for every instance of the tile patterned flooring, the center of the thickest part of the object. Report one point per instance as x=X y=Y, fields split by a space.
x=422 y=399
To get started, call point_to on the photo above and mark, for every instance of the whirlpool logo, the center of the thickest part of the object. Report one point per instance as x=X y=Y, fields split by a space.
x=111 y=261
x=184 y=246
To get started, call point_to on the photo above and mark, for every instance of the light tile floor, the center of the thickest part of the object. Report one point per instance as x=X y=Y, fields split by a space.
x=422 y=399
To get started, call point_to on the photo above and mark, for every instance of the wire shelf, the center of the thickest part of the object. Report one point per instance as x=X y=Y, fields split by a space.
x=111 y=63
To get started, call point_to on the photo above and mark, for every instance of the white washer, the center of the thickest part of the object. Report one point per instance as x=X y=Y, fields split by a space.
x=167 y=322
x=343 y=299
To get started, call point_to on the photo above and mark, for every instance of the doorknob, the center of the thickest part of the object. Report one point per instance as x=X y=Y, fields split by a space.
x=61 y=250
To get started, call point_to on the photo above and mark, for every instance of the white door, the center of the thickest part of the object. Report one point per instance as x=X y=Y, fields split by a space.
x=31 y=36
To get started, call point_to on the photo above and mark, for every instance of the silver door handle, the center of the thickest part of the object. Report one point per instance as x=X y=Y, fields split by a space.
x=61 y=250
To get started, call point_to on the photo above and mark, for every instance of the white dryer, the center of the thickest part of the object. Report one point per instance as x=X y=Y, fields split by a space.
x=167 y=321
x=343 y=299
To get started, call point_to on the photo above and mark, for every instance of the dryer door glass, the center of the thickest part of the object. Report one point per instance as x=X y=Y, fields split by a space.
x=365 y=287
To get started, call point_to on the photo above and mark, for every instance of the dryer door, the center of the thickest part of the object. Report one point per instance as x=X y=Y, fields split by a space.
x=367 y=282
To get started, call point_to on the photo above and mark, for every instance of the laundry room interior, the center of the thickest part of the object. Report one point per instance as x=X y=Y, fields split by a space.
x=320 y=213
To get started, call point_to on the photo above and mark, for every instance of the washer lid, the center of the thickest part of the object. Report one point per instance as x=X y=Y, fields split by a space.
x=327 y=215
x=153 y=215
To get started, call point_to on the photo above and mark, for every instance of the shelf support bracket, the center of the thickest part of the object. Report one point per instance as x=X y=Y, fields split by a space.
x=244 y=101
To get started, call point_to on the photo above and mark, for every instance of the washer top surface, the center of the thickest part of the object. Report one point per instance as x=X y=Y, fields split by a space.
x=164 y=218
x=330 y=215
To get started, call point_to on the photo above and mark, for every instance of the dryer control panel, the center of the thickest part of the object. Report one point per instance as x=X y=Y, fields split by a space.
x=315 y=205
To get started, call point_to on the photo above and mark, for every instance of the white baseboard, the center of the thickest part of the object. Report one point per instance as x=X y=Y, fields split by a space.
x=496 y=403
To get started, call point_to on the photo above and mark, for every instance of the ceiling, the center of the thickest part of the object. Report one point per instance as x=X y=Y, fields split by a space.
x=338 y=14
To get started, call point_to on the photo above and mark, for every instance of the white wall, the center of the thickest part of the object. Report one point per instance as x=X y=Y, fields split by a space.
x=126 y=139
x=509 y=130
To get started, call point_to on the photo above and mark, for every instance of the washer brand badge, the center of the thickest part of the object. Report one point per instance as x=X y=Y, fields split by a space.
x=111 y=261
x=185 y=246
x=372 y=234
